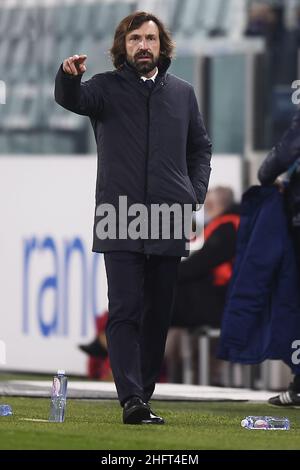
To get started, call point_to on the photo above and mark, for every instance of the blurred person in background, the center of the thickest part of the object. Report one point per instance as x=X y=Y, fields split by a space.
x=203 y=277
x=278 y=68
x=152 y=148
x=98 y=365
x=285 y=157
x=267 y=21
x=261 y=19
x=98 y=347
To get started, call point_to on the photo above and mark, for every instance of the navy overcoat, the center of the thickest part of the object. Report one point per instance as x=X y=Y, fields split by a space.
x=152 y=146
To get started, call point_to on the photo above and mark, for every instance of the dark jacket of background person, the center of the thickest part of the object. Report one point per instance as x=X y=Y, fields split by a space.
x=203 y=277
x=262 y=314
x=167 y=150
x=284 y=156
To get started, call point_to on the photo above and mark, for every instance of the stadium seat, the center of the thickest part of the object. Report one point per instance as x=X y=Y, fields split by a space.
x=205 y=334
x=17 y=22
x=19 y=59
x=62 y=21
x=120 y=10
x=233 y=374
x=23 y=109
x=102 y=19
x=212 y=16
x=186 y=24
x=82 y=13
x=5 y=22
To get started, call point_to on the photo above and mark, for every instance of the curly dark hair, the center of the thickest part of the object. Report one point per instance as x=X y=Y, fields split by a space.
x=134 y=21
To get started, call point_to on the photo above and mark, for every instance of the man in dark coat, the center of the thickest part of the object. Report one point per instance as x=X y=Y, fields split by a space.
x=285 y=156
x=261 y=319
x=153 y=150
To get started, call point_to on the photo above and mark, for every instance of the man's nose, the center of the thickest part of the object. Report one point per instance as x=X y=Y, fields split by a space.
x=143 y=43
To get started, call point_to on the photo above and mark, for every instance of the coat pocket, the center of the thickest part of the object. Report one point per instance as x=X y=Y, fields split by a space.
x=191 y=188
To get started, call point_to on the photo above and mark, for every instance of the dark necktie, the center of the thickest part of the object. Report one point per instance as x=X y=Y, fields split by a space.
x=149 y=84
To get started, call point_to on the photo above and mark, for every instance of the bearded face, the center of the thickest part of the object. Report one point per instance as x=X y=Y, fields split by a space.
x=143 y=48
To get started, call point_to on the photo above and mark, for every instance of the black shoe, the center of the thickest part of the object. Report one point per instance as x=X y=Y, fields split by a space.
x=94 y=349
x=154 y=418
x=288 y=398
x=135 y=411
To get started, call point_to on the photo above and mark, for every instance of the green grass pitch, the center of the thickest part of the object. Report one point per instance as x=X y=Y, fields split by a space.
x=96 y=424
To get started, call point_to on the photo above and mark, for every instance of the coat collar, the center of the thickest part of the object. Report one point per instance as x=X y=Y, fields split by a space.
x=130 y=74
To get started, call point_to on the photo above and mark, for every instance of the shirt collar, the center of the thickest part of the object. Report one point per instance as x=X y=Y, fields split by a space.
x=151 y=78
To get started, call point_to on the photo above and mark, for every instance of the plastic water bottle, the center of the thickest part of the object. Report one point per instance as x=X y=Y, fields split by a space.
x=270 y=423
x=58 y=397
x=5 y=410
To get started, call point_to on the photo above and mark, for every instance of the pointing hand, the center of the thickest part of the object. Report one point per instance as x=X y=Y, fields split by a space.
x=75 y=65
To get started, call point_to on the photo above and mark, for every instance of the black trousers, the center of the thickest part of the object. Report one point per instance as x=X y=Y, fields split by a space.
x=140 y=294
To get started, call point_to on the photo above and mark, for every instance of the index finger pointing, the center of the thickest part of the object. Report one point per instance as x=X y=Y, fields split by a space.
x=81 y=59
